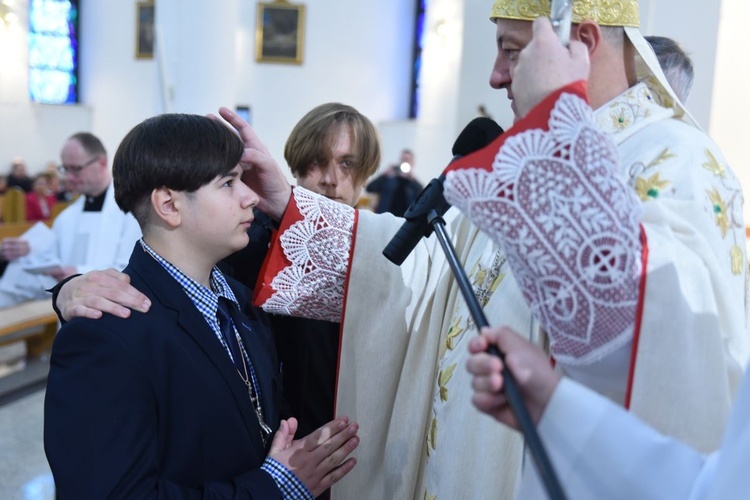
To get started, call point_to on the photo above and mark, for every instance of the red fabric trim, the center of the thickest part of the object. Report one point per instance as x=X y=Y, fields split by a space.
x=638 y=318
x=537 y=118
x=275 y=260
x=261 y=279
x=343 y=307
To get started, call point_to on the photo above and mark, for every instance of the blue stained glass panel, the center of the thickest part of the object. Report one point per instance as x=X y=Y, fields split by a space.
x=416 y=75
x=50 y=16
x=53 y=51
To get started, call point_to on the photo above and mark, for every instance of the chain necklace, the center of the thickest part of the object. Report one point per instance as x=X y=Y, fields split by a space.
x=247 y=379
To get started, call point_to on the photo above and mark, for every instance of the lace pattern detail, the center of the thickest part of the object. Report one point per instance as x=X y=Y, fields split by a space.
x=569 y=227
x=318 y=248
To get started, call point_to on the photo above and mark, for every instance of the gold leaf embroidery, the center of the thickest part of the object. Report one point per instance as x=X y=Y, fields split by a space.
x=608 y=13
x=663 y=156
x=497 y=282
x=432 y=436
x=737 y=260
x=427 y=496
x=453 y=332
x=713 y=165
x=480 y=277
x=649 y=188
x=443 y=379
x=720 y=211
x=619 y=120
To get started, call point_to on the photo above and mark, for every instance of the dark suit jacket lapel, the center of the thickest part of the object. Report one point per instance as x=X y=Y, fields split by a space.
x=171 y=295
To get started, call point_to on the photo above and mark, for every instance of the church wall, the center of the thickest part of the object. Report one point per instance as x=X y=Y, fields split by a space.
x=731 y=101
x=355 y=52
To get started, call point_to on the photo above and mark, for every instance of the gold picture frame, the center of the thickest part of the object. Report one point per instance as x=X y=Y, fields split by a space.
x=280 y=32
x=144 y=29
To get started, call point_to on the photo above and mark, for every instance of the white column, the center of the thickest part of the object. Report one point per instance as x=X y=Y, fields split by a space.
x=198 y=41
x=731 y=97
x=14 y=57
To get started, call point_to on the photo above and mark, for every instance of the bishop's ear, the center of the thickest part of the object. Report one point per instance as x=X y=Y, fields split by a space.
x=590 y=34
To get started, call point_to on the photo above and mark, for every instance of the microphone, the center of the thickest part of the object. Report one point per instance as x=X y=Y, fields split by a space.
x=477 y=134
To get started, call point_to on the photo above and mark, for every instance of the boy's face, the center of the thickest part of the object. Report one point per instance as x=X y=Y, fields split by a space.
x=334 y=180
x=217 y=215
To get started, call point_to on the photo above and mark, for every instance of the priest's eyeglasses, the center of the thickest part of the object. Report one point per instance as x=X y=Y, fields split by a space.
x=75 y=169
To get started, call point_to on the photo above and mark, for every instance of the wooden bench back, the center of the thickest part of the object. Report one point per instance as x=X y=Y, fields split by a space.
x=14 y=205
x=14 y=229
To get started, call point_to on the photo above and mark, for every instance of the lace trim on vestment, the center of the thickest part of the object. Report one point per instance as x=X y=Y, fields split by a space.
x=569 y=226
x=318 y=248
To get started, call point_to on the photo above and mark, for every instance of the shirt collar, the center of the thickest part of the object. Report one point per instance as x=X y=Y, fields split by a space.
x=206 y=299
x=95 y=203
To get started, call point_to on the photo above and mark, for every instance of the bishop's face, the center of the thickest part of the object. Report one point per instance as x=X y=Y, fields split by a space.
x=511 y=37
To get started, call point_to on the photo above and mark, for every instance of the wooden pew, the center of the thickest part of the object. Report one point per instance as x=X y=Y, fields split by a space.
x=14 y=205
x=34 y=322
x=14 y=229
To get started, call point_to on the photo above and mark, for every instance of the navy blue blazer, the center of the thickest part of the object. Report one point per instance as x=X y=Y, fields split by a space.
x=153 y=407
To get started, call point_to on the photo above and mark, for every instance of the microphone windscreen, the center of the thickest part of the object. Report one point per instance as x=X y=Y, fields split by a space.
x=477 y=134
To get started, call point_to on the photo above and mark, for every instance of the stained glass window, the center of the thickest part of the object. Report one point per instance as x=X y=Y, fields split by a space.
x=419 y=36
x=53 y=51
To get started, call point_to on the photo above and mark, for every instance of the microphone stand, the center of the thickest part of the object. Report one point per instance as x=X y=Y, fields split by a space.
x=533 y=442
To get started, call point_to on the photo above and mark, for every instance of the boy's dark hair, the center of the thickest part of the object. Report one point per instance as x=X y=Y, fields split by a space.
x=177 y=151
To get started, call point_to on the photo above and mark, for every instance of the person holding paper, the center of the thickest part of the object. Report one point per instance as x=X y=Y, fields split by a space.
x=92 y=233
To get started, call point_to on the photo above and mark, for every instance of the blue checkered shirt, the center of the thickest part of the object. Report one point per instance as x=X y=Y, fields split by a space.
x=207 y=302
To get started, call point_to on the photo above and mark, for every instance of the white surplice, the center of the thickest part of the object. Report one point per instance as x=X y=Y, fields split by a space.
x=600 y=451
x=95 y=240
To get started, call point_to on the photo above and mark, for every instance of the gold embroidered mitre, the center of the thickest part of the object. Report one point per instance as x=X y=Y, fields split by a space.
x=602 y=12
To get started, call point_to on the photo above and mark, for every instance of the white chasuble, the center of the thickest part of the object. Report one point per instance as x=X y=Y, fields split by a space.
x=402 y=373
x=402 y=363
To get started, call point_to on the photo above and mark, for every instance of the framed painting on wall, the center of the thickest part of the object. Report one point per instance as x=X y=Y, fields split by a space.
x=280 y=32
x=144 y=30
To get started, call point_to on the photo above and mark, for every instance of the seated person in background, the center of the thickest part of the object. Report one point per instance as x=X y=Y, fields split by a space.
x=55 y=185
x=182 y=401
x=10 y=249
x=18 y=176
x=397 y=187
x=598 y=449
x=40 y=200
x=675 y=63
x=92 y=233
